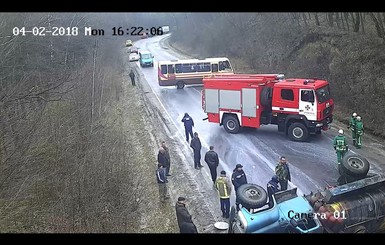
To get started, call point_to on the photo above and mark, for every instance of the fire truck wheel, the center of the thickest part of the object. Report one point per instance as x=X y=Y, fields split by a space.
x=231 y=124
x=180 y=85
x=251 y=196
x=355 y=165
x=298 y=132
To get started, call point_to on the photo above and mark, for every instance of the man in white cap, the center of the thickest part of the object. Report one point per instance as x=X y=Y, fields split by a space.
x=340 y=145
x=359 y=132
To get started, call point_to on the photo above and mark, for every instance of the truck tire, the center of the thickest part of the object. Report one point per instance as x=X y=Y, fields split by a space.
x=298 y=132
x=231 y=124
x=266 y=96
x=252 y=196
x=355 y=165
x=180 y=85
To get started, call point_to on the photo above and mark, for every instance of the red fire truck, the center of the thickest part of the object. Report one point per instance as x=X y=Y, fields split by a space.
x=298 y=106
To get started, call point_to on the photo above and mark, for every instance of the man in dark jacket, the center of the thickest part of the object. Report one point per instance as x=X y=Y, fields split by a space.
x=132 y=76
x=188 y=228
x=162 y=182
x=212 y=160
x=167 y=155
x=238 y=178
x=183 y=216
x=162 y=158
x=272 y=188
x=197 y=146
x=188 y=124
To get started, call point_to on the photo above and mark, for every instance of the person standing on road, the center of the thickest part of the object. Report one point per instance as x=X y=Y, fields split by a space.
x=238 y=178
x=224 y=191
x=359 y=131
x=132 y=76
x=188 y=125
x=340 y=145
x=197 y=146
x=167 y=155
x=212 y=160
x=272 y=188
x=283 y=173
x=162 y=182
x=183 y=216
x=352 y=127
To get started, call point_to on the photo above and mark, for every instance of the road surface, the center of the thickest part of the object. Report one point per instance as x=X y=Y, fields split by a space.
x=312 y=164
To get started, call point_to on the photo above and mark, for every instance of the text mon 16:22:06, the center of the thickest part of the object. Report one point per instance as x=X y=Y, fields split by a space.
x=88 y=31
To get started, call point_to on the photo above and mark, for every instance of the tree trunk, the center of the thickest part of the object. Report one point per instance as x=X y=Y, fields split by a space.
x=378 y=25
x=316 y=19
x=357 y=21
x=362 y=22
x=346 y=15
x=304 y=19
x=330 y=19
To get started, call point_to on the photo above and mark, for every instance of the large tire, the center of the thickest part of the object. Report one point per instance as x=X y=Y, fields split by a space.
x=266 y=97
x=355 y=165
x=252 y=196
x=180 y=85
x=231 y=124
x=298 y=132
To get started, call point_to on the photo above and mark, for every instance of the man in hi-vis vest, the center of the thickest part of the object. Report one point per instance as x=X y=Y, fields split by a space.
x=223 y=186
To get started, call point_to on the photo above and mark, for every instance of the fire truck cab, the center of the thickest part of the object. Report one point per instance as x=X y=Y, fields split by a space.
x=298 y=107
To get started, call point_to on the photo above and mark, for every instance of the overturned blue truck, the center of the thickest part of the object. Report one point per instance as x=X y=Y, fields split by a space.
x=357 y=205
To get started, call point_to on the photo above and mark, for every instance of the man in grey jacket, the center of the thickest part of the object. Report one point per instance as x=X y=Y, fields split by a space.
x=212 y=160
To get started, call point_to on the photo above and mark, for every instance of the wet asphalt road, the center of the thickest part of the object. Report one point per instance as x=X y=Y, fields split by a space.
x=312 y=164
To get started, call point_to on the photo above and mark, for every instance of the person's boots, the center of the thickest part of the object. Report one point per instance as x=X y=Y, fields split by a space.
x=354 y=142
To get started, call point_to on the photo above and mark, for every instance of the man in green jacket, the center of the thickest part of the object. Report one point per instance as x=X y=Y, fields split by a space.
x=352 y=127
x=359 y=131
x=283 y=173
x=223 y=186
x=340 y=145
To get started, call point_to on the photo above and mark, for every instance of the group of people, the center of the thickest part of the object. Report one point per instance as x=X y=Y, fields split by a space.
x=279 y=181
x=340 y=142
x=357 y=128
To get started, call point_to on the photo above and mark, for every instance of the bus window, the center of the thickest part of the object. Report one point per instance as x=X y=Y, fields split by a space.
x=178 y=68
x=170 y=69
x=206 y=67
x=224 y=65
x=221 y=67
x=214 y=67
x=163 y=69
x=186 y=68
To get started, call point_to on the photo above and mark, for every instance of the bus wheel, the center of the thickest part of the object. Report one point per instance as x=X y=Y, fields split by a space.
x=180 y=85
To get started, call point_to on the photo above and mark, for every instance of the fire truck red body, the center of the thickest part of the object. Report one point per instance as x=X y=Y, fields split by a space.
x=298 y=107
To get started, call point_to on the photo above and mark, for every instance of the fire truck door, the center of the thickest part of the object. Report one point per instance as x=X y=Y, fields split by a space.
x=307 y=105
x=249 y=102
